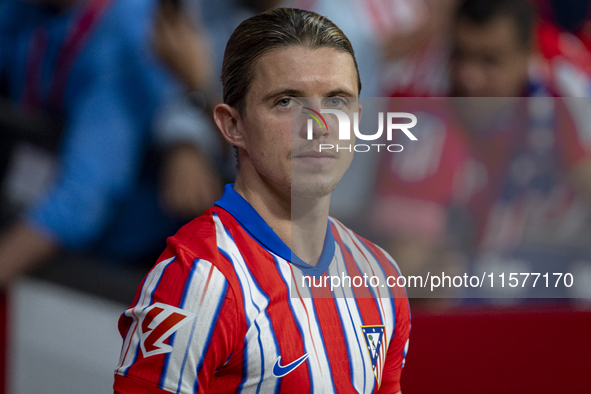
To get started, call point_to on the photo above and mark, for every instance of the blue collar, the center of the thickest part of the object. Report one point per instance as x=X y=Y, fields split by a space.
x=254 y=224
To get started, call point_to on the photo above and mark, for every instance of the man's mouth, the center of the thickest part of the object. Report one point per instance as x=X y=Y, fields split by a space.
x=316 y=154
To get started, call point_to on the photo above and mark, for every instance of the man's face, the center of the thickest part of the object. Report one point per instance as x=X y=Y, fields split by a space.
x=286 y=80
x=489 y=60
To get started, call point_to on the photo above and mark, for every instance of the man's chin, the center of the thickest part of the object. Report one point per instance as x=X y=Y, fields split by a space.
x=311 y=189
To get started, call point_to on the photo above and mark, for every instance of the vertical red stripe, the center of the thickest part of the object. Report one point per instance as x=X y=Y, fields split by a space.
x=125 y=321
x=352 y=269
x=382 y=358
x=226 y=379
x=206 y=284
x=335 y=344
x=263 y=268
x=266 y=273
x=307 y=319
x=75 y=40
x=364 y=294
x=368 y=305
x=387 y=266
x=169 y=291
x=33 y=72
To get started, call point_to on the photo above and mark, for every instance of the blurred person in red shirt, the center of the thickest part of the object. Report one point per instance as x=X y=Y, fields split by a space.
x=491 y=174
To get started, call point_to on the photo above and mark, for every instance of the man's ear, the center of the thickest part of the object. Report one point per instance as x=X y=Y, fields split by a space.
x=228 y=121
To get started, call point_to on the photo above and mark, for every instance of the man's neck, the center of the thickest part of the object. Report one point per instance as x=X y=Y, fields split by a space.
x=308 y=227
x=300 y=223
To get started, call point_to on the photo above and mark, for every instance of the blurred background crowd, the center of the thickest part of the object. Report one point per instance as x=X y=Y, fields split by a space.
x=107 y=145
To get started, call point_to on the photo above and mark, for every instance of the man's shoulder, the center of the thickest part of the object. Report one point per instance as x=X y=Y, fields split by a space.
x=198 y=238
x=191 y=257
x=206 y=238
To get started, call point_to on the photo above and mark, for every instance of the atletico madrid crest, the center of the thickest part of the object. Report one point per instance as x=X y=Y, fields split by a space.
x=375 y=340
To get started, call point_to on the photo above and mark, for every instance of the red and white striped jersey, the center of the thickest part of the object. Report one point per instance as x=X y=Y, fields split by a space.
x=218 y=313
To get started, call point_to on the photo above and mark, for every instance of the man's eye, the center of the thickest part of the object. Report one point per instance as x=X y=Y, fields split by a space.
x=284 y=102
x=335 y=102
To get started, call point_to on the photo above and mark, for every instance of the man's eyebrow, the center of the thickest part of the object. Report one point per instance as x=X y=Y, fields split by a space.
x=283 y=92
x=340 y=92
x=298 y=93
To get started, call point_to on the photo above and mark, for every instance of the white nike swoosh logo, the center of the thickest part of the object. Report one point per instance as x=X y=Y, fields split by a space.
x=279 y=370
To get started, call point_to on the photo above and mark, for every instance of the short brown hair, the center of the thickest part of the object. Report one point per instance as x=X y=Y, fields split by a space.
x=277 y=28
x=483 y=12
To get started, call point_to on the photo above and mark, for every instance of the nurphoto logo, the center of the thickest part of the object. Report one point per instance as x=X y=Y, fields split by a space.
x=345 y=129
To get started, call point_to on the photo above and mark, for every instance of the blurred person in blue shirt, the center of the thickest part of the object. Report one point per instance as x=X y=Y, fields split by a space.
x=90 y=63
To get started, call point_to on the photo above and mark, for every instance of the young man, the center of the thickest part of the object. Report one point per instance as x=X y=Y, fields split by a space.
x=218 y=313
